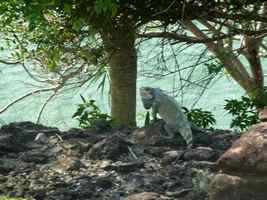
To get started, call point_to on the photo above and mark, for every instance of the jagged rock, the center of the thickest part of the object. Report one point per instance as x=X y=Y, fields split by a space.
x=139 y=136
x=125 y=167
x=170 y=156
x=204 y=165
x=81 y=188
x=111 y=147
x=35 y=156
x=148 y=136
x=7 y=165
x=248 y=154
x=200 y=153
x=230 y=187
x=99 y=166
x=146 y=196
x=41 y=138
x=69 y=163
x=216 y=139
x=15 y=137
x=103 y=182
x=154 y=135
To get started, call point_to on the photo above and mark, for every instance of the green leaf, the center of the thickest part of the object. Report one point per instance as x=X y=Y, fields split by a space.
x=77 y=24
x=67 y=8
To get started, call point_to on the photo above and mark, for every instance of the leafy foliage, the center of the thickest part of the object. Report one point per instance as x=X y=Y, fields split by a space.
x=243 y=111
x=214 y=68
x=201 y=118
x=88 y=114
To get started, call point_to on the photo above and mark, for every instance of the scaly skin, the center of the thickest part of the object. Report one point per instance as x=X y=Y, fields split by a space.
x=169 y=110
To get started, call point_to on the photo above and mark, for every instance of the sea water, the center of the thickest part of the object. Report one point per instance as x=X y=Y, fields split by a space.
x=15 y=82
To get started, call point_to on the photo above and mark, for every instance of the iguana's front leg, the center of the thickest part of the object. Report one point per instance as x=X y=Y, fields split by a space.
x=155 y=111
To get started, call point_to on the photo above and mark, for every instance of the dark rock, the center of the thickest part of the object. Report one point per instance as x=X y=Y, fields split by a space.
x=15 y=136
x=104 y=182
x=69 y=163
x=35 y=157
x=171 y=156
x=204 y=165
x=146 y=196
x=102 y=126
x=125 y=167
x=111 y=147
x=78 y=189
x=154 y=135
x=85 y=165
x=41 y=138
x=220 y=140
x=7 y=165
x=200 y=153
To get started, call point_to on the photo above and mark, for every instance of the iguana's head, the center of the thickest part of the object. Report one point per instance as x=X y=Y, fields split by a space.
x=147 y=96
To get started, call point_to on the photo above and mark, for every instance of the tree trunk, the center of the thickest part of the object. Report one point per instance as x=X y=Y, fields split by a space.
x=120 y=46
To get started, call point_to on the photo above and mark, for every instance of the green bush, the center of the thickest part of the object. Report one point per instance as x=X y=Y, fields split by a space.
x=244 y=112
x=88 y=114
x=201 y=118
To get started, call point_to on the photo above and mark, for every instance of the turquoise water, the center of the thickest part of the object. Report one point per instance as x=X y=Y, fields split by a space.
x=15 y=82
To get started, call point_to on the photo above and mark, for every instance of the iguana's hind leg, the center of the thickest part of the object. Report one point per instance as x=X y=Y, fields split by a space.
x=169 y=131
x=186 y=133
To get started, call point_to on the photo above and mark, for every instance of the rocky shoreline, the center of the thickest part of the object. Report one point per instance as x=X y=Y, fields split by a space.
x=38 y=162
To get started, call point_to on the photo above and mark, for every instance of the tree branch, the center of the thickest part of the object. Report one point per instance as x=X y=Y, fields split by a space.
x=182 y=38
x=44 y=105
x=231 y=63
x=7 y=62
x=25 y=96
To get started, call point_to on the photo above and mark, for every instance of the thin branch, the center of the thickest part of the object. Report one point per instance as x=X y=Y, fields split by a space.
x=44 y=105
x=25 y=96
x=31 y=75
x=231 y=63
x=6 y=62
x=182 y=38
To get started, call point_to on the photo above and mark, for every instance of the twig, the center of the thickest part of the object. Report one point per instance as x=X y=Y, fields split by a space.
x=30 y=74
x=9 y=62
x=44 y=105
x=132 y=153
x=25 y=96
x=183 y=38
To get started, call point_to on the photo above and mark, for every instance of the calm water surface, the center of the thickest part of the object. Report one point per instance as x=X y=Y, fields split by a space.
x=14 y=82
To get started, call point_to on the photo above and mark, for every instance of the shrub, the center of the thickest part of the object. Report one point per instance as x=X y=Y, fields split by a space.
x=244 y=112
x=201 y=118
x=88 y=114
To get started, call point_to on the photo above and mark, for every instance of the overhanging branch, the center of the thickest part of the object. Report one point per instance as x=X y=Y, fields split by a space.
x=182 y=38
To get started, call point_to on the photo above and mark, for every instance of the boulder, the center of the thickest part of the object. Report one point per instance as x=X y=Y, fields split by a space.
x=248 y=154
x=233 y=187
x=243 y=168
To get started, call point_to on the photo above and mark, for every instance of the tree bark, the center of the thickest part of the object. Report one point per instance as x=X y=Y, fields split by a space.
x=120 y=47
x=252 y=83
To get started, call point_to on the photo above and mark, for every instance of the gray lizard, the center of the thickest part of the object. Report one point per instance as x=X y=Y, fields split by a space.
x=169 y=110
